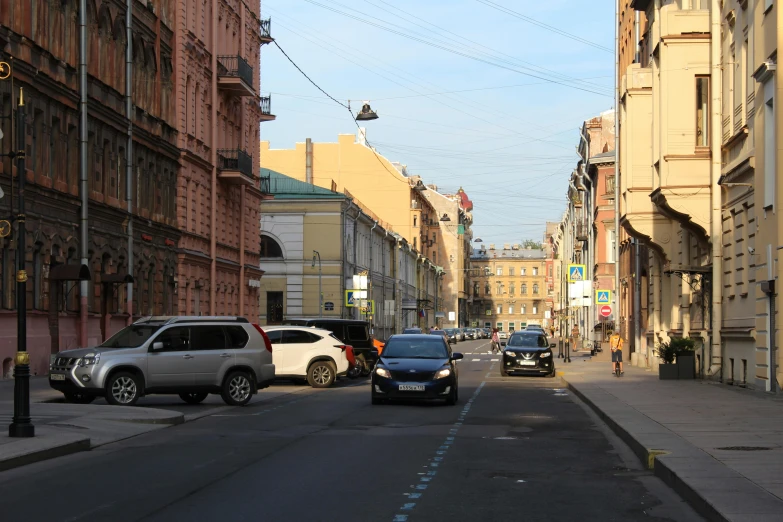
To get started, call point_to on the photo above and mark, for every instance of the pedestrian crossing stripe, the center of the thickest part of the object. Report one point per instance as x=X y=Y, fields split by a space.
x=603 y=297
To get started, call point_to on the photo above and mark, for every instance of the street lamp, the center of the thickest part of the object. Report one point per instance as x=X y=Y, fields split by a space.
x=317 y=254
x=21 y=425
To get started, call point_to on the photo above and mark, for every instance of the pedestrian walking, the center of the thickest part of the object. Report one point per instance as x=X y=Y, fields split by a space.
x=495 y=341
x=574 y=338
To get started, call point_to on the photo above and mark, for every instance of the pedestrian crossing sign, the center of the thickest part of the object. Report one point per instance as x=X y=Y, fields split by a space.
x=603 y=297
x=353 y=297
x=576 y=273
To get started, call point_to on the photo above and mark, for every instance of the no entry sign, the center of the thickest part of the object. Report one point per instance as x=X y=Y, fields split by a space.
x=606 y=310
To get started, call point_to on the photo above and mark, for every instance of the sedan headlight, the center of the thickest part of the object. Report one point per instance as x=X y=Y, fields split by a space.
x=383 y=372
x=545 y=355
x=442 y=374
x=510 y=353
x=89 y=359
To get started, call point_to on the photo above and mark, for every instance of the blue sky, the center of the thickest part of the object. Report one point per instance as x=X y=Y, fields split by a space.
x=508 y=138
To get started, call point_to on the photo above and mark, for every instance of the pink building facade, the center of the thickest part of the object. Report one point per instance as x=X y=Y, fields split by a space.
x=219 y=109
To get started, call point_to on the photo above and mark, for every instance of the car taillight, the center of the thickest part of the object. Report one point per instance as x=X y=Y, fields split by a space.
x=267 y=342
x=348 y=353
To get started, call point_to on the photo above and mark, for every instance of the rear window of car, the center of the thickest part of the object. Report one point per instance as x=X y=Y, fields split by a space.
x=275 y=336
x=299 y=336
x=237 y=336
x=357 y=332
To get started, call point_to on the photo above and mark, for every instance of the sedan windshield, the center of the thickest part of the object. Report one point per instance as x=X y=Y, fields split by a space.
x=419 y=348
x=527 y=341
x=131 y=336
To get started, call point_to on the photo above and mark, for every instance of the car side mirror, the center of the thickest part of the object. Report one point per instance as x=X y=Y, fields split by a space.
x=456 y=356
x=157 y=346
x=374 y=353
x=552 y=345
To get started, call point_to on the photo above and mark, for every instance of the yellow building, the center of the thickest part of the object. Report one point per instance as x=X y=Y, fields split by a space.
x=509 y=287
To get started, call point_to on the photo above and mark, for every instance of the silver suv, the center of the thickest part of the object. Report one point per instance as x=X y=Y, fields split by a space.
x=189 y=356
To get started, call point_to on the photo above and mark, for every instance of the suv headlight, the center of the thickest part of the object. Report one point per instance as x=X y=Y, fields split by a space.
x=545 y=355
x=442 y=374
x=510 y=353
x=89 y=359
x=382 y=372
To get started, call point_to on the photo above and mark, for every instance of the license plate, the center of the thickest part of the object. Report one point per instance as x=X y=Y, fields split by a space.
x=57 y=376
x=527 y=363
x=411 y=387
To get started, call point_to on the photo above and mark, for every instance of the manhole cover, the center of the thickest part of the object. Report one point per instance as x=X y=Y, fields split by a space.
x=744 y=448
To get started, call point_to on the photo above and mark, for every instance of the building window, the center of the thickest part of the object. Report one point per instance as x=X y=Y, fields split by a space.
x=702 y=111
x=499 y=309
x=535 y=289
x=535 y=309
x=535 y=271
x=271 y=248
x=769 y=144
x=510 y=309
x=511 y=327
x=511 y=270
x=487 y=290
x=609 y=185
x=499 y=271
x=415 y=243
x=611 y=245
x=522 y=271
x=523 y=309
x=415 y=221
x=524 y=289
x=499 y=326
x=511 y=289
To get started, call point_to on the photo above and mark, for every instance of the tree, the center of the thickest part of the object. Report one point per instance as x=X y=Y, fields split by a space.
x=531 y=244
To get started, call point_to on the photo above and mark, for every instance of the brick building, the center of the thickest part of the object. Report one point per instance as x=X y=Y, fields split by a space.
x=41 y=39
x=218 y=45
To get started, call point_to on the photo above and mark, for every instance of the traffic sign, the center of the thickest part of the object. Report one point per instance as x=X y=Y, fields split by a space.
x=352 y=297
x=606 y=310
x=576 y=273
x=603 y=297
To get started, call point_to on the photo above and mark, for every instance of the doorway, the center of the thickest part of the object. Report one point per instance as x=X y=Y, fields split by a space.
x=274 y=307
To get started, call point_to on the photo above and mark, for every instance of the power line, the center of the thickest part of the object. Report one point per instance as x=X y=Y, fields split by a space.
x=548 y=27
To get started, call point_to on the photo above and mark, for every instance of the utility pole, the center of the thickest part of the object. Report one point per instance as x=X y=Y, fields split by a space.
x=317 y=254
x=21 y=425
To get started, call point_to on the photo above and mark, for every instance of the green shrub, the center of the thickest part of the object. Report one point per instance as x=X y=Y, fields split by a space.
x=669 y=351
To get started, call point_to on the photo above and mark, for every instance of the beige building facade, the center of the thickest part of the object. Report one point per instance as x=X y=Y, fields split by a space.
x=509 y=287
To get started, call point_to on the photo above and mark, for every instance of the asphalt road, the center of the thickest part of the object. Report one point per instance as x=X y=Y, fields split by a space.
x=512 y=448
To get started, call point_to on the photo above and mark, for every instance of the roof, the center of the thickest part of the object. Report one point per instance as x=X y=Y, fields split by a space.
x=285 y=187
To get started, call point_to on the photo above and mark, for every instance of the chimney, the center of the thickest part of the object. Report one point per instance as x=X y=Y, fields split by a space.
x=309 y=161
x=361 y=136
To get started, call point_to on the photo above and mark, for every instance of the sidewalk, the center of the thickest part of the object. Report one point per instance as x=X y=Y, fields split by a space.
x=720 y=448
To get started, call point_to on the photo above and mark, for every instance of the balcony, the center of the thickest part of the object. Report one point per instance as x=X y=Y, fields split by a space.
x=265 y=104
x=235 y=75
x=265 y=31
x=582 y=233
x=235 y=166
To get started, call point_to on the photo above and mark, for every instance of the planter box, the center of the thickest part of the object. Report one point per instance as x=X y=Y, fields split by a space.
x=668 y=372
x=687 y=366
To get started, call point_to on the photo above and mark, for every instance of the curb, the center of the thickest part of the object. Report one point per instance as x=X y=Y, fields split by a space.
x=649 y=459
x=47 y=454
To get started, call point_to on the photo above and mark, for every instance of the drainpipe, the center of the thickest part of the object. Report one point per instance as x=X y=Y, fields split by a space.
x=369 y=269
x=617 y=184
x=83 y=190
x=129 y=150
x=309 y=161
x=716 y=346
x=638 y=56
x=637 y=307
x=773 y=381
x=242 y=284
x=383 y=267
x=213 y=155
x=343 y=253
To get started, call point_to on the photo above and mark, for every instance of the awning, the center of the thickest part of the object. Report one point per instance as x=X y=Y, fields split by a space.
x=69 y=273
x=116 y=279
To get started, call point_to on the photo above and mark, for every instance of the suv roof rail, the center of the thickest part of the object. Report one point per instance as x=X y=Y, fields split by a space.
x=167 y=319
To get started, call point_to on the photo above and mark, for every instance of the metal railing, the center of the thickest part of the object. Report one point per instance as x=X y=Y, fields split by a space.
x=236 y=160
x=265 y=103
x=237 y=67
x=266 y=182
x=265 y=28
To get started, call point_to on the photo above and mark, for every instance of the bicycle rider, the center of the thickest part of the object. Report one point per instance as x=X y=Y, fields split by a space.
x=616 y=345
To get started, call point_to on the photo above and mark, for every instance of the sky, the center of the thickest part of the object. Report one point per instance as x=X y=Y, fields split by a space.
x=468 y=94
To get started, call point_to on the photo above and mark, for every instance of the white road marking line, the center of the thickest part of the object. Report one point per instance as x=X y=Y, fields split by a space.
x=475 y=360
x=494 y=360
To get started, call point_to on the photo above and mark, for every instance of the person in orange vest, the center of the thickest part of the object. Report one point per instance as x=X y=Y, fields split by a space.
x=616 y=345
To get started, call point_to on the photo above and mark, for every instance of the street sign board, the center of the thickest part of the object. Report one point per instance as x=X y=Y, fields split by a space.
x=603 y=297
x=576 y=273
x=367 y=306
x=353 y=296
x=409 y=304
x=329 y=306
x=606 y=310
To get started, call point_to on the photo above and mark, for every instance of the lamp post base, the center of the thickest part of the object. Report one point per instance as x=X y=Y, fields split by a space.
x=21 y=425
x=21 y=430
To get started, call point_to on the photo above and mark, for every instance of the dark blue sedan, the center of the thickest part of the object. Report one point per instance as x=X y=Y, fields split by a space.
x=416 y=367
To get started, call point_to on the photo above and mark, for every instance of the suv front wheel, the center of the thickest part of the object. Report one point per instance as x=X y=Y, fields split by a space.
x=123 y=389
x=237 y=388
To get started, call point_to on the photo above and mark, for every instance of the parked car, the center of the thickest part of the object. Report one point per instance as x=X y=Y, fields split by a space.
x=470 y=333
x=412 y=331
x=535 y=327
x=453 y=335
x=418 y=367
x=441 y=333
x=188 y=356
x=353 y=332
x=463 y=334
x=528 y=352
x=502 y=335
x=315 y=354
